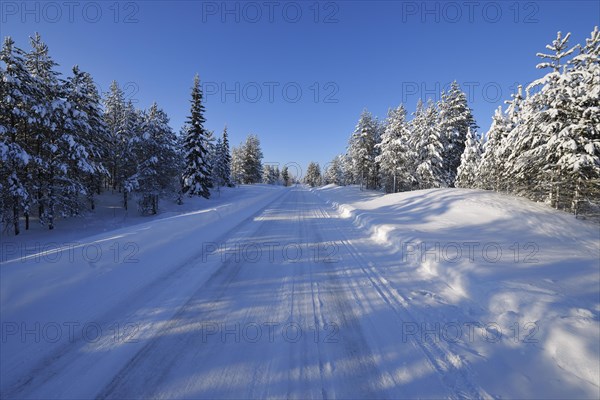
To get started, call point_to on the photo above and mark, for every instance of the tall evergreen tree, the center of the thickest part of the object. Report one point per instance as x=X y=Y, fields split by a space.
x=222 y=162
x=252 y=160
x=225 y=158
x=455 y=118
x=285 y=176
x=268 y=174
x=114 y=113
x=491 y=168
x=155 y=155
x=211 y=150
x=579 y=158
x=91 y=143
x=543 y=114
x=334 y=173
x=196 y=174
x=429 y=143
x=363 y=151
x=573 y=147
x=128 y=163
x=15 y=135
x=395 y=158
x=467 y=174
x=55 y=187
x=237 y=164
x=313 y=174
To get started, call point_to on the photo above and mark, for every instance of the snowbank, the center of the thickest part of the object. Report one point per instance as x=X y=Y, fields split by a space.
x=527 y=275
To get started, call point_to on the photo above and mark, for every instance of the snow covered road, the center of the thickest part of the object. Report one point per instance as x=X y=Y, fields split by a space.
x=282 y=298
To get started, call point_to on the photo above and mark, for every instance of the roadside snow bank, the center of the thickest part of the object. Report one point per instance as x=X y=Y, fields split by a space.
x=526 y=276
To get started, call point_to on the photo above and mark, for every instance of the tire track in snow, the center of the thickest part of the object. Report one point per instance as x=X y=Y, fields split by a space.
x=303 y=307
x=54 y=365
x=453 y=371
x=355 y=344
x=144 y=373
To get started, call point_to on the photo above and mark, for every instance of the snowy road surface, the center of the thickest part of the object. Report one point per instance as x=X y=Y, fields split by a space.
x=286 y=296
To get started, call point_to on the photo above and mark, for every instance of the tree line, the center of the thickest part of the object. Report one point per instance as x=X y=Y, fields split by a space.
x=62 y=144
x=544 y=145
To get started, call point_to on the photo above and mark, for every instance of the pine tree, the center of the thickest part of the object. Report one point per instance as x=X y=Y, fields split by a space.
x=196 y=178
x=90 y=141
x=348 y=170
x=267 y=174
x=276 y=175
x=285 y=176
x=15 y=154
x=552 y=149
x=222 y=162
x=128 y=163
x=211 y=150
x=156 y=159
x=179 y=164
x=492 y=165
x=543 y=114
x=467 y=174
x=114 y=119
x=313 y=174
x=395 y=158
x=503 y=145
x=237 y=164
x=56 y=189
x=455 y=118
x=251 y=160
x=334 y=173
x=428 y=142
x=573 y=149
x=225 y=159
x=218 y=169
x=362 y=150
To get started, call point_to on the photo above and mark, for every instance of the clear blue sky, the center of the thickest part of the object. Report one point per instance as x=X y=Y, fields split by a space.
x=343 y=56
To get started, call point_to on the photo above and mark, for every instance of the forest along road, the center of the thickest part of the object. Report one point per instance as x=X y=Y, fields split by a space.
x=289 y=304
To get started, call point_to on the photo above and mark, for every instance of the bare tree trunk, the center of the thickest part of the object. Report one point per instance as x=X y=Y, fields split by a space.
x=16 y=216
x=575 y=204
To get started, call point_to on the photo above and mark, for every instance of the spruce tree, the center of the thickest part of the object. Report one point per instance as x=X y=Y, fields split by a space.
x=251 y=160
x=543 y=114
x=123 y=122
x=429 y=144
x=573 y=149
x=363 y=151
x=196 y=177
x=467 y=174
x=16 y=102
x=313 y=174
x=156 y=159
x=395 y=158
x=285 y=176
x=490 y=171
x=334 y=173
x=237 y=164
x=455 y=118
x=89 y=132
x=56 y=189
x=225 y=159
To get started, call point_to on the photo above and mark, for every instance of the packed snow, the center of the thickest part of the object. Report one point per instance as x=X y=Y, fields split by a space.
x=307 y=293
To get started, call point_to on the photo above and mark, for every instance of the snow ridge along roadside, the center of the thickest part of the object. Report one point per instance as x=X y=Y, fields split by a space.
x=520 y=279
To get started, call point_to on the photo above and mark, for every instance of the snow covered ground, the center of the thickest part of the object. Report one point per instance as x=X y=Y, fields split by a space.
x=293 y=292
